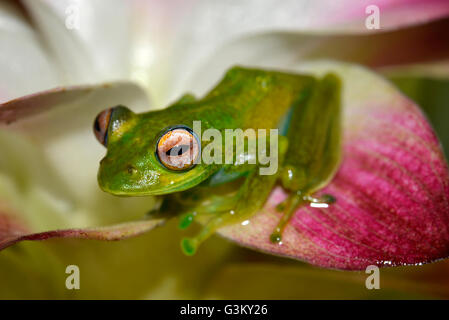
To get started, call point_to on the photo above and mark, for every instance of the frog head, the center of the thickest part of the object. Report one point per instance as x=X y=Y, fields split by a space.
x=151 y=153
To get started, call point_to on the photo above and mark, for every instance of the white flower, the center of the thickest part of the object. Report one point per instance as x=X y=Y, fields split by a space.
x=68 y=59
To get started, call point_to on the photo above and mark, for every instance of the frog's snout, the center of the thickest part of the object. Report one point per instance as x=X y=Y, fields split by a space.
x=127 y=179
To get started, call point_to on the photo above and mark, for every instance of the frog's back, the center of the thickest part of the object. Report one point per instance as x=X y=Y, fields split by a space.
x=257 y=98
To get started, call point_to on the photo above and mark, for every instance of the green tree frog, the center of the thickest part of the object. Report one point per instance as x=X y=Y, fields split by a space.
x=159 y=152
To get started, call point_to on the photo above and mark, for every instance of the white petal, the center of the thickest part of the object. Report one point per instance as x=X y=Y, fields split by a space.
x=285 y=49
x=90 y=39
x=211 y=24
x=59 y=157
x=104 y=40
x=25 y=66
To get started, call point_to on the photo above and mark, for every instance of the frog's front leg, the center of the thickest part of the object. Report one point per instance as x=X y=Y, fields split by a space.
x=193 y=203
x=314 y=150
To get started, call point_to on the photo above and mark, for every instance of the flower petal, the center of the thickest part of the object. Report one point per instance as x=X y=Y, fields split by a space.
x=393 y=14
x=49 y=162
x=392 y=188
x=88 y=41
x=246 y=16
x=159 y=44
x=104 y=40
x=418 y=44
x=308 y=28
x=60 y=122
x=11 y=232
x=25 y=66
x=432 y=94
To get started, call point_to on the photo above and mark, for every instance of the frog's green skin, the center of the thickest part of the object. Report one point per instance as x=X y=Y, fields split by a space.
x=304 y=108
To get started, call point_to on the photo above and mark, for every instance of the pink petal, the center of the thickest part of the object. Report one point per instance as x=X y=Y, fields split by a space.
x=392 y=189
x=11 y=231
x=394 y=14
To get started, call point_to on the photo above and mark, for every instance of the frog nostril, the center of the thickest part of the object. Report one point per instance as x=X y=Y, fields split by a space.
x=131 y=169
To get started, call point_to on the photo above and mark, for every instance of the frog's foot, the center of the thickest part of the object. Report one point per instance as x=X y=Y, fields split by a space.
x=203 y=212
x=214 y=214
x=190 y=245
x=205 y=209
x=291 y=204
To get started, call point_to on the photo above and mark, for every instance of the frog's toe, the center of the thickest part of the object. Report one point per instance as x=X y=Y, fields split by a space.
x=186 y=220
x=189 y=246
x=281 y=206
x=220 y=219
x=324 y=200
x=291 y=204
x=288 y=207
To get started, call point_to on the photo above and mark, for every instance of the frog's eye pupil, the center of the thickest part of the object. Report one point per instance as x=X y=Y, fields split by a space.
x=101 y=126
x=178 y=149
x=97 y=126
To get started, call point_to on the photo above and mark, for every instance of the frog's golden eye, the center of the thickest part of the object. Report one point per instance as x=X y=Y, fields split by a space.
x=178 y=149
x=101 y=126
